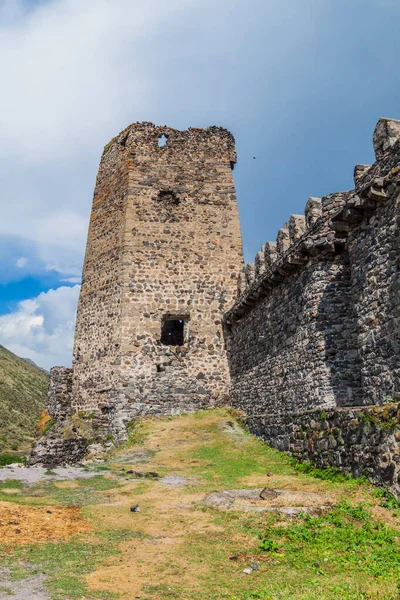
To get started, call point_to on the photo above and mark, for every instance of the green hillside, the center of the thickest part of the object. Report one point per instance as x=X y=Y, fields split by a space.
x=23 y=390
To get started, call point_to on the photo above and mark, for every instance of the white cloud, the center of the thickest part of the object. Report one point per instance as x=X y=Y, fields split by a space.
x=76 y=73
x=72 y=279
x=21 y=262
x=42 y=328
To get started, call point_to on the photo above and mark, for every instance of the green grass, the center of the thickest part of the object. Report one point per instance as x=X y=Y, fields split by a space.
x=23 y=392
x=76 y=559
x=89 y=491
x=11 y=483
x=347 y=537
x=6 y=590
x=344 y=553
x=328 y=474
x=8 y=459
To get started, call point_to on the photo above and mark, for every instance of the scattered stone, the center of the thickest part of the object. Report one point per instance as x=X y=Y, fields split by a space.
x=247 y=571
x=233 y=558
x=254 y=565
x=268 y=494
x=135 y=508
x=269 y=474
x=143 y=475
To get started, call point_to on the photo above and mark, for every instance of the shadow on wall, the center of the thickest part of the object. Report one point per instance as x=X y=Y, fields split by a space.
x=337 y=322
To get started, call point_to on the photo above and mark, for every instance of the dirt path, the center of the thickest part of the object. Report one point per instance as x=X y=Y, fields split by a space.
x=179 y=515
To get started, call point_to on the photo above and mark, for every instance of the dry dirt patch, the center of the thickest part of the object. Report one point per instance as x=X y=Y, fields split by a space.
x=168 y=515
x=22 y=525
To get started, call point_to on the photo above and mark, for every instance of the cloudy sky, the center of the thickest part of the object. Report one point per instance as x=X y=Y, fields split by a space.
x=300 y=83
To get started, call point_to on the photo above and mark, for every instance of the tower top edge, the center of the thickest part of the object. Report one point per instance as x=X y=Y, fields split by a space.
x=147 y=131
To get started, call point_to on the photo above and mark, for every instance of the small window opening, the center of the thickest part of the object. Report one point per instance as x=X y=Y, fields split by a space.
x=168 y=197
x=162 y=141
x=173 y=332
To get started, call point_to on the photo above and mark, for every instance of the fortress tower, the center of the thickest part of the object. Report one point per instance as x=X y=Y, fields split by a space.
x=163 y=253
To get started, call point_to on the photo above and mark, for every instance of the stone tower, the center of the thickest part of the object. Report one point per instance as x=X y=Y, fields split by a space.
x=163 y=253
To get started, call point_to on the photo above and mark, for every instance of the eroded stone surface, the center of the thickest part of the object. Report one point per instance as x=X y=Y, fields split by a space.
x=32 y=475
x=288 y=502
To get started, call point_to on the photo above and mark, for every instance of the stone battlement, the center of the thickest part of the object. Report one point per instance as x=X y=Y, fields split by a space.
x=326 y=223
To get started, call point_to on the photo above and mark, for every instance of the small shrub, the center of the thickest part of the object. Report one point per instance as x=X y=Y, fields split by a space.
x=49 y=426
x=387 y=499
x=9 y=459
x=268 y=545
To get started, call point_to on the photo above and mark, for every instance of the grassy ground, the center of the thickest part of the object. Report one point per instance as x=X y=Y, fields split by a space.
x=23 y=392
x=177 y=547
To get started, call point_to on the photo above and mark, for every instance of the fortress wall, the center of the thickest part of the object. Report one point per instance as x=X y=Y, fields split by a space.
x=361 y=441
x=374 y=254
x=315 y=326
x=283 y=350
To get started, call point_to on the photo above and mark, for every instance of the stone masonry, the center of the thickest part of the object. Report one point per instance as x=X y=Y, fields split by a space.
x=314 y=334
x=163 y=252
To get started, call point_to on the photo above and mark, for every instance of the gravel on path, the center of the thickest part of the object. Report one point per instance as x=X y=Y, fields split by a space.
x=32 y=475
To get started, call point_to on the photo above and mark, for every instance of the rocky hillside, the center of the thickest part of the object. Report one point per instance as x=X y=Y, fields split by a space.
x=23 y=389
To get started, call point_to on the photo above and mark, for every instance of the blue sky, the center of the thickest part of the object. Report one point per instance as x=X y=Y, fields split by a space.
x=300 y=84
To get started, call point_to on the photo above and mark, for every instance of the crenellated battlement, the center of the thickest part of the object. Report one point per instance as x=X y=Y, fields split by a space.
x=325 y=226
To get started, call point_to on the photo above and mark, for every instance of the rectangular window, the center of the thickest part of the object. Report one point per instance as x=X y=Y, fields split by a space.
x=173 y=332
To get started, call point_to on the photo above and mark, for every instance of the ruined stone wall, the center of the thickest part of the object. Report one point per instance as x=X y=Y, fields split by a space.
x=315 y=326
x=361 y=441
x=164 y=244
x=59 y=442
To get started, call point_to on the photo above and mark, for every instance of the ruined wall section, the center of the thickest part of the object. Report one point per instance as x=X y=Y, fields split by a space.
x=59 y=442
x=315 y=327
